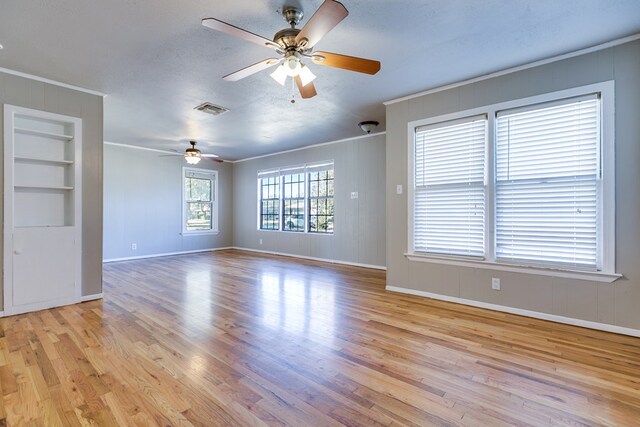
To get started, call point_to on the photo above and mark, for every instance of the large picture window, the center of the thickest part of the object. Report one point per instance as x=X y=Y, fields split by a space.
x=199 y=201
x=297 y=199
x=525 y=183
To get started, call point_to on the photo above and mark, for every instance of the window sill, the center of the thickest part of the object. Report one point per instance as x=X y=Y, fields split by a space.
x=305 y=233
x=199 y=233
x=595 y=276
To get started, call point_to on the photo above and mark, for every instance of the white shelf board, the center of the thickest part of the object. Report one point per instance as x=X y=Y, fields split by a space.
x=44 y=134
x=42 y=160
x=44 y=187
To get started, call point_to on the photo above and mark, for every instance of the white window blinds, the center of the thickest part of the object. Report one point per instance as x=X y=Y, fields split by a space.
x=547 y=184
x=449 y=187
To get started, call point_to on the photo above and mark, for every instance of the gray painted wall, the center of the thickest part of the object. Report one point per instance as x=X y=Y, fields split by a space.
x=29 y=93
x=616 y=303
x=359 y=236
x=143 y=204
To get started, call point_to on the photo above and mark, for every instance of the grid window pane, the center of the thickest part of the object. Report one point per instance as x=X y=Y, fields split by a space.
x=270 y=203
x=293 y=202
x=198 y=216
x=321 y=201
x=198 y=189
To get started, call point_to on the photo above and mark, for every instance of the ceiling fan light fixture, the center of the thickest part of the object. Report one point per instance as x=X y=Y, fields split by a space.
x=306 y=76
x=192 y=154
x=279 y=75
x=292 y=66
x=192 y=159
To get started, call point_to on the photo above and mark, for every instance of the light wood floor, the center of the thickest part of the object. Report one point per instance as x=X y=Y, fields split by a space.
x=231 y=338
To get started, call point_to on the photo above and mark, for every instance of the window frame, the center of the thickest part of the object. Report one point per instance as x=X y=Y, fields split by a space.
x=318 y=198
x=305 y=170
x=607 y=186
x=278 y=185
x=213 y=176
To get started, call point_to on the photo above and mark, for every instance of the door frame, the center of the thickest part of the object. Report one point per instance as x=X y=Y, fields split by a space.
x=10 y=111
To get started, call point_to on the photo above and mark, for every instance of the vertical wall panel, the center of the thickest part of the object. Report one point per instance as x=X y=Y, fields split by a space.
x=616 y=303
x=359 y=223
x=29 y=93
x=143 y=204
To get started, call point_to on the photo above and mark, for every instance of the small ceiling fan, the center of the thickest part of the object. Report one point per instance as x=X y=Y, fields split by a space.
x=294 y=44
x=193 y=156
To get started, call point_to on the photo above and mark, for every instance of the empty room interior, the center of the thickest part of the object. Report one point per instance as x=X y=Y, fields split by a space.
x=312 y=212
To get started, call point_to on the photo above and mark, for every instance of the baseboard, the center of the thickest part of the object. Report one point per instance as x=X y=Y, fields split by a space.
x=165 y=254
x=528 y=313
x=332 y=261
x=91 y=297
x=44 y=305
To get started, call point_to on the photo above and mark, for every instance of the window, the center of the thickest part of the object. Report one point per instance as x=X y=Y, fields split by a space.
x=321 y=201
x=449 y=187
x=526 y=183
x=199 y=201
x=293 y=202
x=297 y=199
x=269 y=202
x=547 y=173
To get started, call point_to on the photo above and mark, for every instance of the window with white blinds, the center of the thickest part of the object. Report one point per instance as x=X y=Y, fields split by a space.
x=547 y=191
x=520 y=185
x=449 y=187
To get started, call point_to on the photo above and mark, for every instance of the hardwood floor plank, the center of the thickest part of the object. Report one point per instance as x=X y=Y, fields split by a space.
x=236 y=339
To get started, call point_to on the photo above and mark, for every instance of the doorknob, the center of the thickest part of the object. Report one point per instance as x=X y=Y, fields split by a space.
x=17 y=252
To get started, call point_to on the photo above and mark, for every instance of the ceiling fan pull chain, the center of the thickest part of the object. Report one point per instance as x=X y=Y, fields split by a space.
x=293 y=92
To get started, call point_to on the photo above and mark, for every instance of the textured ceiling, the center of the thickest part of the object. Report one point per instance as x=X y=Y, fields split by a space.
x=156 y=62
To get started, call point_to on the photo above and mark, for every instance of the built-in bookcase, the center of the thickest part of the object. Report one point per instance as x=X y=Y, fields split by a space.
x=42 y=208
x=44 y=158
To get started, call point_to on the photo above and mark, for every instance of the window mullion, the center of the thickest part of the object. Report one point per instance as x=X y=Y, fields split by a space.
x=490 y=193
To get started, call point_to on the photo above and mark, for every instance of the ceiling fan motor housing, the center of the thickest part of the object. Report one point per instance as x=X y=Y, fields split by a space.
x=287 y=38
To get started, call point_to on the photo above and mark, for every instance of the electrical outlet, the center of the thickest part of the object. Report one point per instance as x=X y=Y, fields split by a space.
x=260 y=241
x=134 y=246
x=354 y=194
x=495 y=283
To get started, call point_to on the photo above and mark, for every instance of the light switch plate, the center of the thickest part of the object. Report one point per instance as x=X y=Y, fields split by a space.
x=354 y=194
x=399 y=189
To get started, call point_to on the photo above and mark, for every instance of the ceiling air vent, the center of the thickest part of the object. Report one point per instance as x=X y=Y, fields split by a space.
x=209 y=108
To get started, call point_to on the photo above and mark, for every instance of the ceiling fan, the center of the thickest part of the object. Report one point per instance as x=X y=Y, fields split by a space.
x=295 y=44
x=193 y=156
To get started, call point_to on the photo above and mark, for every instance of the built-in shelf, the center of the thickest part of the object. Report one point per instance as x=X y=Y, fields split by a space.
x=29 y=159
x=44 y=187
x=34 y=132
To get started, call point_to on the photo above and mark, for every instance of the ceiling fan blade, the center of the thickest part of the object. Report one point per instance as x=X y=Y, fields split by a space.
x=210 y=156
x=308 y=91
x=171 y=155
x=251 y=69
x=232 y=30
x=352 y=63
x=328 y=15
